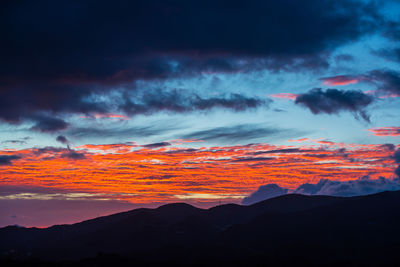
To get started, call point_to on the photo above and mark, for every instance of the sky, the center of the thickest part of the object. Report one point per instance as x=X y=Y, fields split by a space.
x=107 y=106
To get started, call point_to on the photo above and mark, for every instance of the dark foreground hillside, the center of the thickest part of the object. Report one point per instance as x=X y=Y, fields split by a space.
x=291 y=230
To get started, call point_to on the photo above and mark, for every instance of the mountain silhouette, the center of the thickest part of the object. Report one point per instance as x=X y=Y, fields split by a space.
x=290 y=228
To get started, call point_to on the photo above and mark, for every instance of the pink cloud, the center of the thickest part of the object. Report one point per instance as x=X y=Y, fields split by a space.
x=388 y=96
x=300 y=140
x=385 y=131
x=340 y=80
x=381 y=95
x=289 y=96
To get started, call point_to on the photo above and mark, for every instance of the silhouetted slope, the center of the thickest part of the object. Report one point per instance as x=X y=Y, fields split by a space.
x=312 y=227
x=355 y=228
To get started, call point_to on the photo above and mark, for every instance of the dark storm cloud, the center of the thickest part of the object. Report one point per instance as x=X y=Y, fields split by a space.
x=94 y=38
x=20 y=101
x=57 y=55
x=49 y=124
x=334 y=101
x=7 y=159
x=388 y=80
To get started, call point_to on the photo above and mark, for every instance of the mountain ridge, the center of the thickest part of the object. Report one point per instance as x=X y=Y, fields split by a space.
x=319 y=222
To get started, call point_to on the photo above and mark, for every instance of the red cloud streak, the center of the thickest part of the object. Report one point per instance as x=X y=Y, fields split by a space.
x=385 y=131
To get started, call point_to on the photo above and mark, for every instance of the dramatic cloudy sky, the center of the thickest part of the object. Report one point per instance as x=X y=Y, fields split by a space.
x=112 y=105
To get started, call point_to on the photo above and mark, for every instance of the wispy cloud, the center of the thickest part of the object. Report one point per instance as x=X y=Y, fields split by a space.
x=241 y=133
x=340 y=80
x=385 y=131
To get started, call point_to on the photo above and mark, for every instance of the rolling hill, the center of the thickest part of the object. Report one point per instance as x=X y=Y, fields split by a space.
x=287 y=229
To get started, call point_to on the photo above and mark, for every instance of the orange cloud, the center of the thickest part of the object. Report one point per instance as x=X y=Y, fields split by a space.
x=170 y=174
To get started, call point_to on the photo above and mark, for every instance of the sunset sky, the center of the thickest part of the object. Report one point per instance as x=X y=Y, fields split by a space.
x=107 y=106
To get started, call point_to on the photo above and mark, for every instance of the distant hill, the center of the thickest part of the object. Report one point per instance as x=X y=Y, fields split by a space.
x=292 y=229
